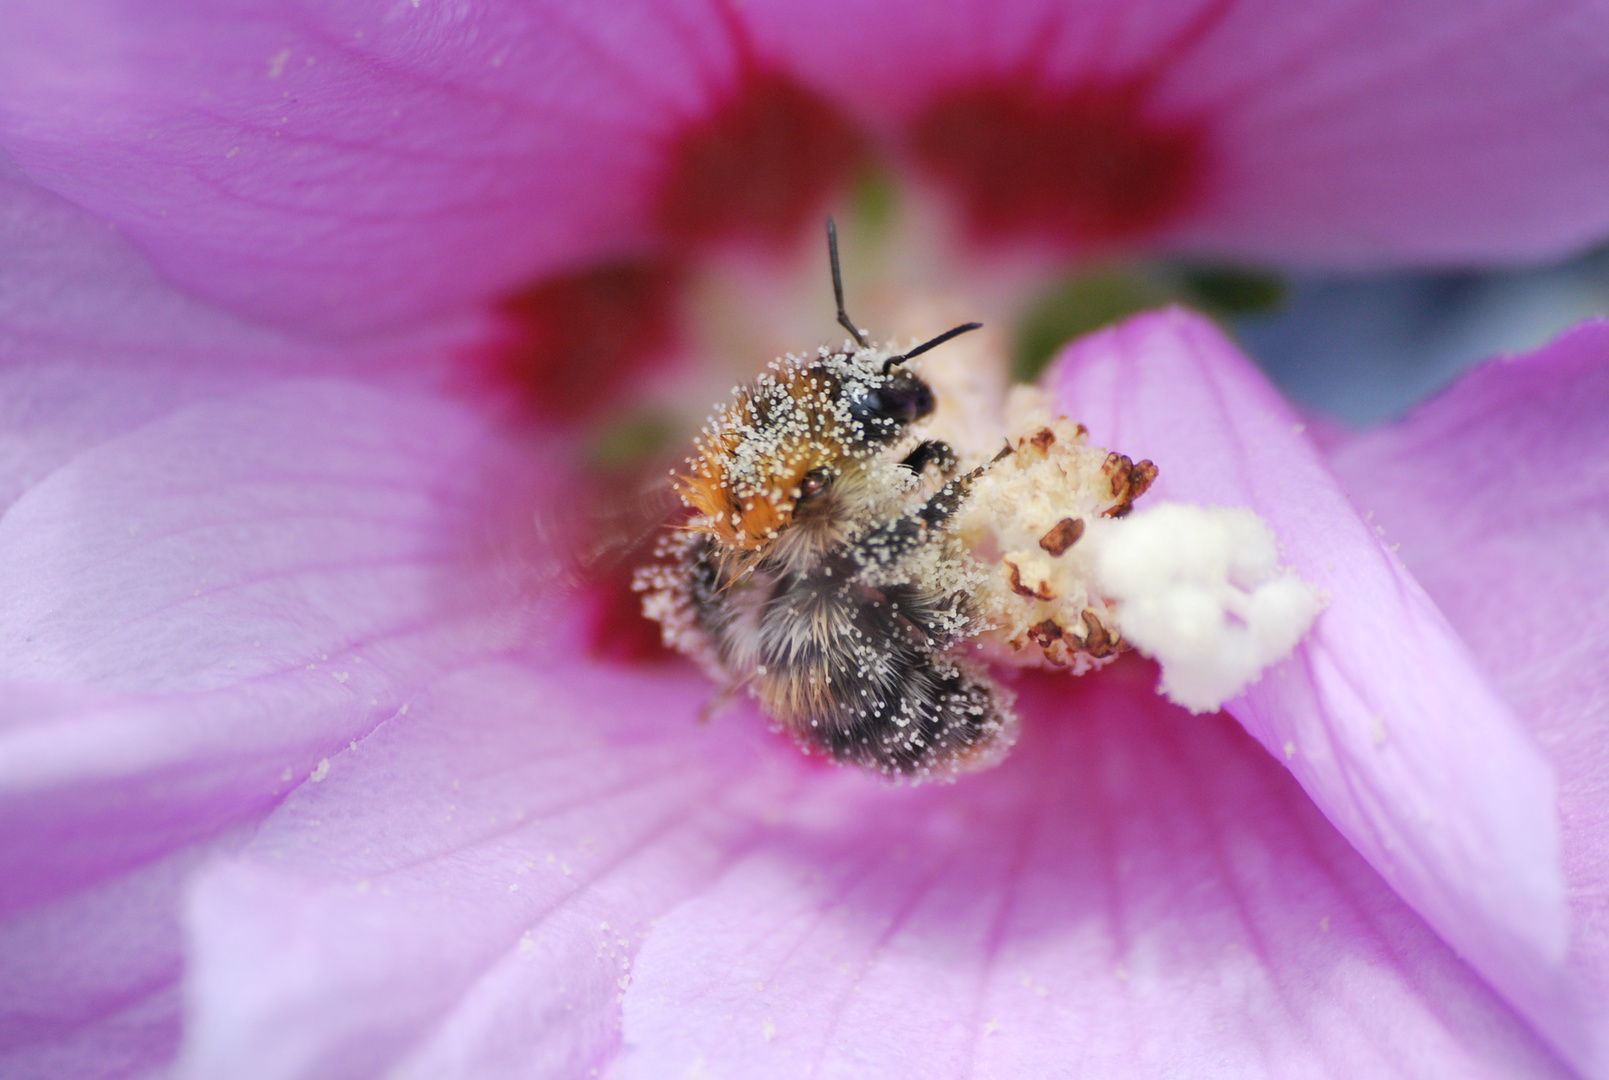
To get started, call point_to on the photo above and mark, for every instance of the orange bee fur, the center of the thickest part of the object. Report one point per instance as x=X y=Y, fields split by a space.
x=750 y=464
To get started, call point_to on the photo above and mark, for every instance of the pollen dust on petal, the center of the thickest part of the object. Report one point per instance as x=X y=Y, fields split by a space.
x=1088 y=163
x=575 y=340
x=758 y=165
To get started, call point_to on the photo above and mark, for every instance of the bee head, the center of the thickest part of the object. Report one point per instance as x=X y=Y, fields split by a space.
x=787 y=438
x=886 y=408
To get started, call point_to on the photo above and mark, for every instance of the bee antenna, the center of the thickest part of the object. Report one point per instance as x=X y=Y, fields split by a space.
x=964 y=328
x=838 y=286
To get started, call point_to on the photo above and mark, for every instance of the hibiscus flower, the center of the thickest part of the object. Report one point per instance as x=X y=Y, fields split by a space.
x=309 y=769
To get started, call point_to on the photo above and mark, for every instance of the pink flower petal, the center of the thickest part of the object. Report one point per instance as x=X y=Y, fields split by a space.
x=463 y=893
x=93 y=343
x=1383 y=716
x=215 y=601
x=1137 y=892
x=477 y=886
x=1336 y=133
x=349 y=167
x=94 y=350
x=90 y=985
x=1499 y=494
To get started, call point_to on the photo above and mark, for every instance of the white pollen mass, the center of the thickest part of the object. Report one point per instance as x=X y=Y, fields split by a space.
x=1200 y=589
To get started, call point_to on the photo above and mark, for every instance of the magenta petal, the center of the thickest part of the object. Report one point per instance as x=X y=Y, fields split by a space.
x=195 y=613
x=346 y=167
x=1135 y=893
x=90 y=983
x=97 y=782
x=1383 y=716
x=93 y=343
x=1336 y=132
x=463 y=893
x=1499 y=494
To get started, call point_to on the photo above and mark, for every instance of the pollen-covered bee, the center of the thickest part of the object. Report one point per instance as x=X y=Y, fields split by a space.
x=821 y=571
x=853 y=572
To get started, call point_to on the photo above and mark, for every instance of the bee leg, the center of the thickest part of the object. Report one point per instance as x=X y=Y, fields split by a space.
x=944 y=502
x=931 y=452
x=948 y=499
x=892 y=542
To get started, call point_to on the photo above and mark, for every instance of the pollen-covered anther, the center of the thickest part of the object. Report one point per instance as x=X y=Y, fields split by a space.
x=1041 y=591
x=1128 y=481
x=1076 y=578
x=1063 y=535
x=1096 y=638
x=1027 y=520
x=1045 y=633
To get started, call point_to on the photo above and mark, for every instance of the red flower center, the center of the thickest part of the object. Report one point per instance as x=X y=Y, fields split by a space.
x=759 y=165
x=579 y=338
x=1085 y=164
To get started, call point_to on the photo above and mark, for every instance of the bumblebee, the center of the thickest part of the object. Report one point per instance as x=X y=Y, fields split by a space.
x=820 y=570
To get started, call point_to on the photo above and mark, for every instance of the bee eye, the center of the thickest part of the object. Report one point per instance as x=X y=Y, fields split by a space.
x=884 y=410
x=813 y=481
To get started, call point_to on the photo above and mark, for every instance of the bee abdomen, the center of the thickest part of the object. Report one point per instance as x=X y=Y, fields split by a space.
x=944 y=720
x=875 y=685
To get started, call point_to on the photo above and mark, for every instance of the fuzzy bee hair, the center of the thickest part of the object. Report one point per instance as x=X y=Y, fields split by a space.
x=819 y=570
